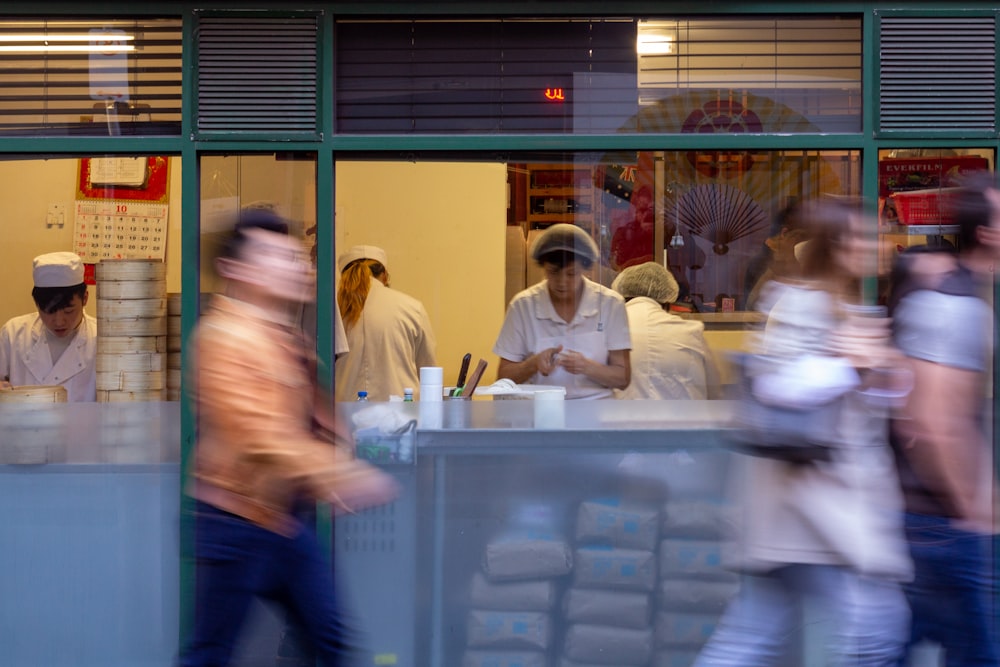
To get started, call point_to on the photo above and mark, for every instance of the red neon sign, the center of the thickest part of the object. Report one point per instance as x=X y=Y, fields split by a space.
x=555 y=94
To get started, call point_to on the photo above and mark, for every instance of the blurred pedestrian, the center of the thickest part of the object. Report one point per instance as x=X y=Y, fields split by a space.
x=670 y=358
x=263 y=447
x=822 y=537
x=389 y=333
x=776 y=257
x=944 y=323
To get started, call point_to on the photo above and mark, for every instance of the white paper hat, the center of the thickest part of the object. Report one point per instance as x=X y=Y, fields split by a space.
x=57 y=269
x=362 y=252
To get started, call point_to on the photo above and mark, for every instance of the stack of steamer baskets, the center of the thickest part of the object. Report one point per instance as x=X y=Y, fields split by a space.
x=131 y=330
x=174 y=346
x=33 y=431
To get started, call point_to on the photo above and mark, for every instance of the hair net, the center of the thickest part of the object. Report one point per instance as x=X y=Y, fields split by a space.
x=566 y=237
x=647 y=279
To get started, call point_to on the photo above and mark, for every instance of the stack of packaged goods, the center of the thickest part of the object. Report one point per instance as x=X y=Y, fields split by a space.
x=512 y=600
x=34 y=425
x=174 y=346
x=694 y=587
x=608 y=608
x=131 y=330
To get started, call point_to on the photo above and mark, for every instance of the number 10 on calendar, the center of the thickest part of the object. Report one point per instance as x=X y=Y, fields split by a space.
x=107 y=229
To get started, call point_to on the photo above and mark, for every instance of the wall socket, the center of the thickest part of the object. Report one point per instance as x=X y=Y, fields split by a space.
x=56 y=216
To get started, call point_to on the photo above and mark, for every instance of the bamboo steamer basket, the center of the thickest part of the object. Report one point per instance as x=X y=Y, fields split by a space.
x=131 y=289
x=130 y=344
x=174 y=378
x=33 y=425
x=124 y=309
x=173 y=394
x=109 y=396
x=130 y=380
x=174 y=344
x=140 y=326
x=34 y=394
x=174 y=325
x=130 y=270
x=136 y=361
x=174 y=360
x=174 y=303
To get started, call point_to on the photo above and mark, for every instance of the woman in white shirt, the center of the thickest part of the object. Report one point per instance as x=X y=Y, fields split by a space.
x=566 y=331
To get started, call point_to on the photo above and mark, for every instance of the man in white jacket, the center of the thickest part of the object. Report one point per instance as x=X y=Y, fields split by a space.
x=58 y=344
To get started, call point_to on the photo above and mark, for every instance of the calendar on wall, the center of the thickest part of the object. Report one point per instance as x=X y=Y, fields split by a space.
x=110 y=229
x=121 y=208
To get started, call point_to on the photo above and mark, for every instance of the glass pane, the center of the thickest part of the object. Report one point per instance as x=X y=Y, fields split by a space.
x=789 y=75
x=232 y=185
x=452 y=225
x=90 y=77
x=914 y=186
x=89 y=489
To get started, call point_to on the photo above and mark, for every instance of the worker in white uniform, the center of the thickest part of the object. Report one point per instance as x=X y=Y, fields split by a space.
x=567 y=330
x=58 y=344
x=389 y=334
x=670 y=358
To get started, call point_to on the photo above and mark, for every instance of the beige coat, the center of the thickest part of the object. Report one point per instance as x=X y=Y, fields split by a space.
x=386 y=347
x=847 y=511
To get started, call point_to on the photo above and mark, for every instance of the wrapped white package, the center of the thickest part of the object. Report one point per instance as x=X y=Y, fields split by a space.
x=697 y=558
x=695 y=594
x=620 y=569
x=512 y=630
x=527 y=554
x=613 y=523
x=706 y=519
x=530 y=595
x=683 y=629
x=504 y=659
x=595 y=606
x=604 y=645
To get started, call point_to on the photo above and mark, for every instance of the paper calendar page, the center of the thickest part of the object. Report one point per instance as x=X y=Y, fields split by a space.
x=109 y=229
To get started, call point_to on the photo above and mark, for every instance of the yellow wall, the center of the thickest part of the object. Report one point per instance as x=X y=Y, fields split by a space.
x=28 y=187
x=442 y=226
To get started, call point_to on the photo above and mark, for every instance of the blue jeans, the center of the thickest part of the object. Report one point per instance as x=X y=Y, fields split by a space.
x=952 y=596
x=237 y=561
x=857 y=621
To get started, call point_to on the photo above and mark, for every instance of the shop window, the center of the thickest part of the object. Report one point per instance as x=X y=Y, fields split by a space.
x=458 y=234
x=692 y=75
x=90 y=77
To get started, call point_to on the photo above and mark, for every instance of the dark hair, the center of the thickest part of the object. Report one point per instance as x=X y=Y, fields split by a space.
x=51 y=299
x=972 y=210
x=252 y=218
x=261 y=218
x=563 y=258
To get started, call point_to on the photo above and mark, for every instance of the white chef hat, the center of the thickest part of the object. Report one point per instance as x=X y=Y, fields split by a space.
x=362 y=252
x=57 y=269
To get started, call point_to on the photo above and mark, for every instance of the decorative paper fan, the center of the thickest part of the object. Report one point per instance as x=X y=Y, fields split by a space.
x=719 y=213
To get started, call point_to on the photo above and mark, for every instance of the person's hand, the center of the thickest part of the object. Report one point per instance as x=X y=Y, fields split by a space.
x=865 y=341
x=363 y=486
x=547 y=361
x=573 y=362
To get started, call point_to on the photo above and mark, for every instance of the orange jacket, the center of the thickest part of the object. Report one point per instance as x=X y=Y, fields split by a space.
x=256 y=451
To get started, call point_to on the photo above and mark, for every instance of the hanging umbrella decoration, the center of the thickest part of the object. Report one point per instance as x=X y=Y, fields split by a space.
x=720 y=214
